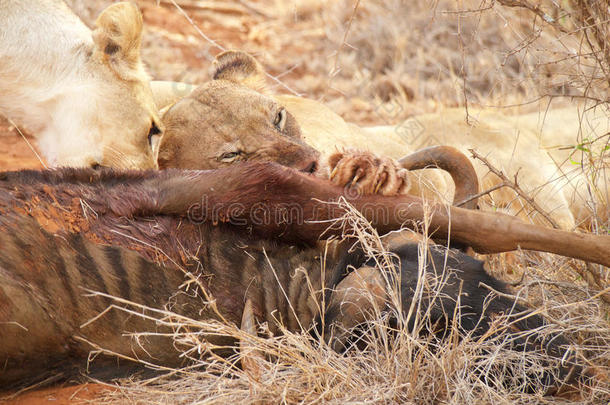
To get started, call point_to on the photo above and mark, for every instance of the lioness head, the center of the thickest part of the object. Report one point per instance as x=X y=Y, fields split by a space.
x=118 y=116
x=229 y=119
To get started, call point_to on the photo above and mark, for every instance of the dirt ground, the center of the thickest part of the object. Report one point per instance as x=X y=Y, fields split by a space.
x=59 y=395
x=15 y=153
x=334 y=52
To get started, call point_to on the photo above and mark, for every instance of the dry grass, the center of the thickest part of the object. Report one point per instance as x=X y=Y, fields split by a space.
x=391 y=363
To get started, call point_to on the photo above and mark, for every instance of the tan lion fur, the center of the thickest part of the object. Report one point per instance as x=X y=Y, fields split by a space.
x=518 y=145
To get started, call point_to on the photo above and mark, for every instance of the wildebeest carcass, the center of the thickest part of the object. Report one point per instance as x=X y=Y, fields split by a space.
x=132 y=235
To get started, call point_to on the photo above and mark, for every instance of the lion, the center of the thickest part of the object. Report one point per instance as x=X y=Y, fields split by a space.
x=220 y=134
x=512 y=144
x=569 y=179
x=84 y=94
x=230 y=119
x=577 y=140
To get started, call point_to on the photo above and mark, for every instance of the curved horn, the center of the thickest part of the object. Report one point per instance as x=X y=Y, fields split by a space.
x=455 y=163
x=360 y=294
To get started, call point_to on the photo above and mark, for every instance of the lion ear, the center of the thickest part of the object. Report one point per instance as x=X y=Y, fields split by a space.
x=239 y=67
x=118 y=38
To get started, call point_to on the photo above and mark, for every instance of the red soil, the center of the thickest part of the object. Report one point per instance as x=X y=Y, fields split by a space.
x=59 y=395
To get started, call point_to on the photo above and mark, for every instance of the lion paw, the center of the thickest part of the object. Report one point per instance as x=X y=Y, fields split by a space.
x=368 y=173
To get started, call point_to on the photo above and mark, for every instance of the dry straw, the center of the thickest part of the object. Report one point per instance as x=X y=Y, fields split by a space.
x=389 y=364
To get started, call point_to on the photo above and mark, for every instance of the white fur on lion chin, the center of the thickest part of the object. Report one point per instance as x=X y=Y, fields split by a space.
x=45 y=83
x=56 y=82
x=57 y=116
x=67 y=141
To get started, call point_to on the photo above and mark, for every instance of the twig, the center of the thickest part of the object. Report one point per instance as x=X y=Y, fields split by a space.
x=463 y=68
x=255 y=9
x=513 y=185
x=28 y=143
x=344 y=41
x=481 y=194
x=503 y=294
x=226 y=7
x=593 y=276
x=335 y=70
x=590 y=19
x=536 y=9
x=219 y=7
x=222 y=48
x=594 y=25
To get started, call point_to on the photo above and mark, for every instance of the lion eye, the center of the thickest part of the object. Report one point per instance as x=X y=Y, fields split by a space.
x=229 y=157
x=280 y=119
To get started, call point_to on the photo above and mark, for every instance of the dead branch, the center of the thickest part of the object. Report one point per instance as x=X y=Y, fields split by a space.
x=594 y=19
x=593 y=276
x=536 y=9
x=215 y=6
x=506 y=182
x=587 y=19
x=481 y=194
